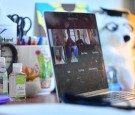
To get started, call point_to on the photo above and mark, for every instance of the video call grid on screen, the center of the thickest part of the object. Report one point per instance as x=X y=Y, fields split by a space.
x=76 y=52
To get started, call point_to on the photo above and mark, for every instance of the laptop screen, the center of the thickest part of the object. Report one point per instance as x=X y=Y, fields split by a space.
x=76 y=52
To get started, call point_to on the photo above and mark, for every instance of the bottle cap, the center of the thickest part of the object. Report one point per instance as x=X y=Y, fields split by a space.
x=17 y=67
x=2 y=62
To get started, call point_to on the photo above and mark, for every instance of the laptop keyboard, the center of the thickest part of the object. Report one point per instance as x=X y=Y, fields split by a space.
x=115 y=97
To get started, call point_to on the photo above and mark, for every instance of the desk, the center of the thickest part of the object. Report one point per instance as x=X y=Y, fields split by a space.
x=48 y=98
x=59 y=109
x=48 y=105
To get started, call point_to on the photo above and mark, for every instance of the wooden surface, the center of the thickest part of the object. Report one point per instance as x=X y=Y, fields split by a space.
x=46 y=98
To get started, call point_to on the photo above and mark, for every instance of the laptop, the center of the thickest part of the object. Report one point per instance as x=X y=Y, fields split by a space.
x=77 y=55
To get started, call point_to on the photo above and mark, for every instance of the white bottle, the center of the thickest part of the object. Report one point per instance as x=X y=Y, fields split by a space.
x=3 y=77
x=17 y=83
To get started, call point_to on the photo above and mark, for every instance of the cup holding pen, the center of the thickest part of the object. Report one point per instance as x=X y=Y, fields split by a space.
x=39 y=58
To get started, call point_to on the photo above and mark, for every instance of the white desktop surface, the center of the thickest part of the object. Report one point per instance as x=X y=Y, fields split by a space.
x=59 y=109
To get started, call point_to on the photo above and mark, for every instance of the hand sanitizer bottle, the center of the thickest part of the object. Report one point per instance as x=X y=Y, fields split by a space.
x=3 y=77
x=17 y=83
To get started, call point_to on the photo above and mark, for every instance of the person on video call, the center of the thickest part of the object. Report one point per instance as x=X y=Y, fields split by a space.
x=58 y=58
x=79 y=41
x=73 y=56
x=69 y=43
x=57 y=41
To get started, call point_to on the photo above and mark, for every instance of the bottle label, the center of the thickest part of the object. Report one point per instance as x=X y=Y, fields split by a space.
x=20 y=86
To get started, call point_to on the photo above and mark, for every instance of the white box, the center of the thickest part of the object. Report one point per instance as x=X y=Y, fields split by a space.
x=8 y=34
x=8 y=30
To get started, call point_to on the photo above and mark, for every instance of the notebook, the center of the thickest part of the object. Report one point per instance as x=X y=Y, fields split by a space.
x=77 y=55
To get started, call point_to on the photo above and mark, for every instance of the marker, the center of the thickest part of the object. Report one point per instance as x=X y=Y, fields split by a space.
x=44 y=41
x=26 y=40
x=29 y=41
x=23 y=41
x=18 y=41
x=34 y=41
x=40 y=41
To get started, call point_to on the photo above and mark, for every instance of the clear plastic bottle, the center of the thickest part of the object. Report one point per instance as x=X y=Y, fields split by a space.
x=17 y=83
x=3 y=77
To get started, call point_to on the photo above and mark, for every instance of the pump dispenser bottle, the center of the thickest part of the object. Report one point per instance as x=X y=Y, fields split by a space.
x=17 y=83
x=3 y=77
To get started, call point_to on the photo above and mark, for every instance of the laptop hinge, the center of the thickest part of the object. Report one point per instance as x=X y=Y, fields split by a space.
x=92 y=93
